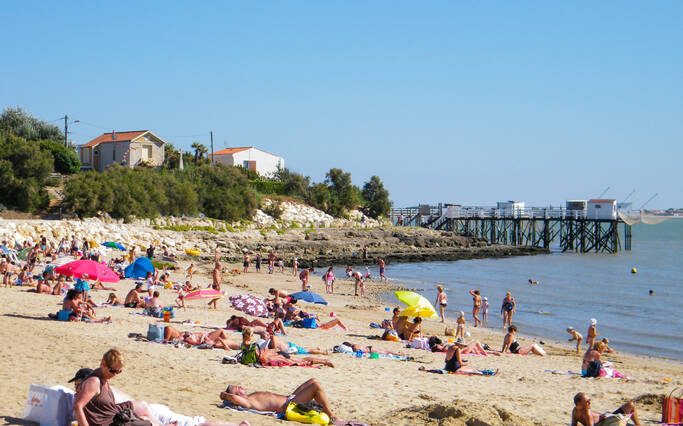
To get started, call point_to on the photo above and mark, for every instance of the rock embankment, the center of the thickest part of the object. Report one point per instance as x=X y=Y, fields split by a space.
x=314 y=247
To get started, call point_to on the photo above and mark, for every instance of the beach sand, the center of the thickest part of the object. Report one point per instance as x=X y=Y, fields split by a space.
x=382 y=392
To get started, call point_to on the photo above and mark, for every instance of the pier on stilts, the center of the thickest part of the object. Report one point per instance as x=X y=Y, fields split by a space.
x=570 y=230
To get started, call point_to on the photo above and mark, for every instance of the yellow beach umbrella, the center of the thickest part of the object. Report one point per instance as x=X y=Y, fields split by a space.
x=418 y=305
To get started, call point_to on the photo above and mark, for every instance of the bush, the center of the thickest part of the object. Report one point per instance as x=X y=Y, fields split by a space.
x=224 y=193
x=66 y=160
x=274 y=209
x=268 y=187
x=376 y=198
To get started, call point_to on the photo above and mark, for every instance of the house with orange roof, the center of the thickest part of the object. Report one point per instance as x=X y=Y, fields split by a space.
x=262 y=162
x=130 y=148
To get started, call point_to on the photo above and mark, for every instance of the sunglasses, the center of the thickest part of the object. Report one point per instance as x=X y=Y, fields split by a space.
x=114 y=371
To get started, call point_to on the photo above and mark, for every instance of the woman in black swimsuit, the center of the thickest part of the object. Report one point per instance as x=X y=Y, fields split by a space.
x=454 y=359
x=508 y=309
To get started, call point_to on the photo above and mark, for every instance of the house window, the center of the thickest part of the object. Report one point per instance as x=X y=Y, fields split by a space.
x=113 y=154
x=245 y=164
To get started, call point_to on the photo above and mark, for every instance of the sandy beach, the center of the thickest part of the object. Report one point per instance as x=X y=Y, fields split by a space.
x=380 y=392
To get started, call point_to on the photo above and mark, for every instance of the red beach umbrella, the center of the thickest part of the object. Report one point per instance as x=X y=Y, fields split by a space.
x=88 y=270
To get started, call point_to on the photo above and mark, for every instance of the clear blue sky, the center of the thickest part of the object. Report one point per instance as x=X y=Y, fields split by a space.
x=469 y=102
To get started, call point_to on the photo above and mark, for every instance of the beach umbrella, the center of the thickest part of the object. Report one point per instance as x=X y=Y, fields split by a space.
x=249 y=304
x=205 y=293
x=309 y=296
x=23 y=254
x=114 y=245
x=418 y=305
x=88 y=270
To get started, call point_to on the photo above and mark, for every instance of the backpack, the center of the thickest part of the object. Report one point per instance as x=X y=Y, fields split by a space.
x=593 y=369
x=155 y=333
x=249 y=355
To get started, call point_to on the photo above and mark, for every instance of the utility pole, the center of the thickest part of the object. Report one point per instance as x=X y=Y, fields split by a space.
x=66 y=129
x=212 y=147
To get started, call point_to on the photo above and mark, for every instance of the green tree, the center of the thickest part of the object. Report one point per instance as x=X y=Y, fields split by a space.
x=319 y=197
x=24 y=169
x=295 y=184
x=199 y=151
x=376 y=198
x=18 y=122
x=343 y=195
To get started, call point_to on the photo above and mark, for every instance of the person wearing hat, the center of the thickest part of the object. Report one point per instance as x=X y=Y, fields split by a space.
x=592 y=333
x=575 y=336
x=485 y=310
x=454 y=359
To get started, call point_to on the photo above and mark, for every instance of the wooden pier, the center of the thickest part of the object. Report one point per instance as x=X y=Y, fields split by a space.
x=571 y=230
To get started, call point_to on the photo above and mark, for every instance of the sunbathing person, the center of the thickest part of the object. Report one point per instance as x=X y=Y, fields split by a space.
x=78 y=308
x=113 y=300
x=268 y=401
x=237 y=323
x=410 y=330
x=43 y=287
x=510 y=343
x=60 y=286
x=370 y=349
x=133 y=299
x=331 y=323
x=272 y=356
x=592 y=355
x=217 y=338
x=272 y=341
x=154 y=306
x=97 y=285
x=474 y=347
x=582 y=413
x=277 y=326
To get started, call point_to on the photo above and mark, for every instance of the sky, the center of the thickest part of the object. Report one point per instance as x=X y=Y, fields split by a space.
x=453 y=101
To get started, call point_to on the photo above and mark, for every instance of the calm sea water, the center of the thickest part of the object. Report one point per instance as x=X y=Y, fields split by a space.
x=575 y=288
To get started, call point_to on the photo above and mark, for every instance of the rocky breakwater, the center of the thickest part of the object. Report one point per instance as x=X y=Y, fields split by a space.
x=323 y=247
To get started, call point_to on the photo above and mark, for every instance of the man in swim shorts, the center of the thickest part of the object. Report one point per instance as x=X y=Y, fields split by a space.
x=310 y=390
x=582 y=413
x=382 y=265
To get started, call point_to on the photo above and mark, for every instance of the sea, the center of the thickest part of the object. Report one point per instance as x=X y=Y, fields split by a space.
x=572 y=289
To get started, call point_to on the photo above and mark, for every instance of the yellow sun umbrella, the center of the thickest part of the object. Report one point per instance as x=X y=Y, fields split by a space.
x=418 y=305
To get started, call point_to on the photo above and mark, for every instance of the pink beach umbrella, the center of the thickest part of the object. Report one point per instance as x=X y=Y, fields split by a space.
x=88 y=270
x=203 y=294
x=249 y=304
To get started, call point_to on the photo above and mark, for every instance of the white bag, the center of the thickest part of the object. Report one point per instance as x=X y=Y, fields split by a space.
x=46 y=406
x=420 y=343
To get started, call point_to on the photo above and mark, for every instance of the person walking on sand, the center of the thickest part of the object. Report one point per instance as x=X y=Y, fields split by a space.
x=295 y=266
x=303 y=276
x=257 y=263
x=485 y=310
x=508 y=309
x=592 y=333
x=476 y=306
x=441 y=302
x=575 y=336
x=271 y=261
x=189 y=271
x=382 y=265
x=329 y=280
x=216 y=277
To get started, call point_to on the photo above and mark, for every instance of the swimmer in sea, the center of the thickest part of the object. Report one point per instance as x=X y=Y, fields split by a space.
x=532 y=282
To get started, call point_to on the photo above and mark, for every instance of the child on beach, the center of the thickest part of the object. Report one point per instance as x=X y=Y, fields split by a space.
x=180 y=300
x=460 y=331
x=485 y=310
x=575 y=336
x=592 y=333
x=441 y=302
x=281 y=264
x=295 y=266
x=190 y=271
x=329 y=280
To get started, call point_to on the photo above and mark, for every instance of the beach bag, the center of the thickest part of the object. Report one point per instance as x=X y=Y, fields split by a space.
x=449 y=331
x=309 y=323
x=420 y=343
x=594 y=369
x=672 y=408
x=514 y=347
x=127 y=417
x=46 y=406
x=390 y=335
x=249 y=355
x=155 y=333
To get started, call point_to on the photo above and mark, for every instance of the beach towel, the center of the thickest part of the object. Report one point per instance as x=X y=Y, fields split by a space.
x=230 y=406
x=490 y=373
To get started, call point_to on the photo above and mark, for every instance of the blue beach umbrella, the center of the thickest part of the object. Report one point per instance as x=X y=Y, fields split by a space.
x=309 y=296
x=114 y=245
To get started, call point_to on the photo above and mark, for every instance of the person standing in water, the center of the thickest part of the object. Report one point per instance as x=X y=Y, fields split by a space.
x=476 y=307
x=508 y=309
x=441 y=302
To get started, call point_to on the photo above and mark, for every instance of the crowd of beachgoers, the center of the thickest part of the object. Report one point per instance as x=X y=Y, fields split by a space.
x=268 y=329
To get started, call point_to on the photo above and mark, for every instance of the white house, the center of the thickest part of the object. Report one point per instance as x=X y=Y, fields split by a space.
x=510 y=206
x=262 y=162
x=601 y=209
